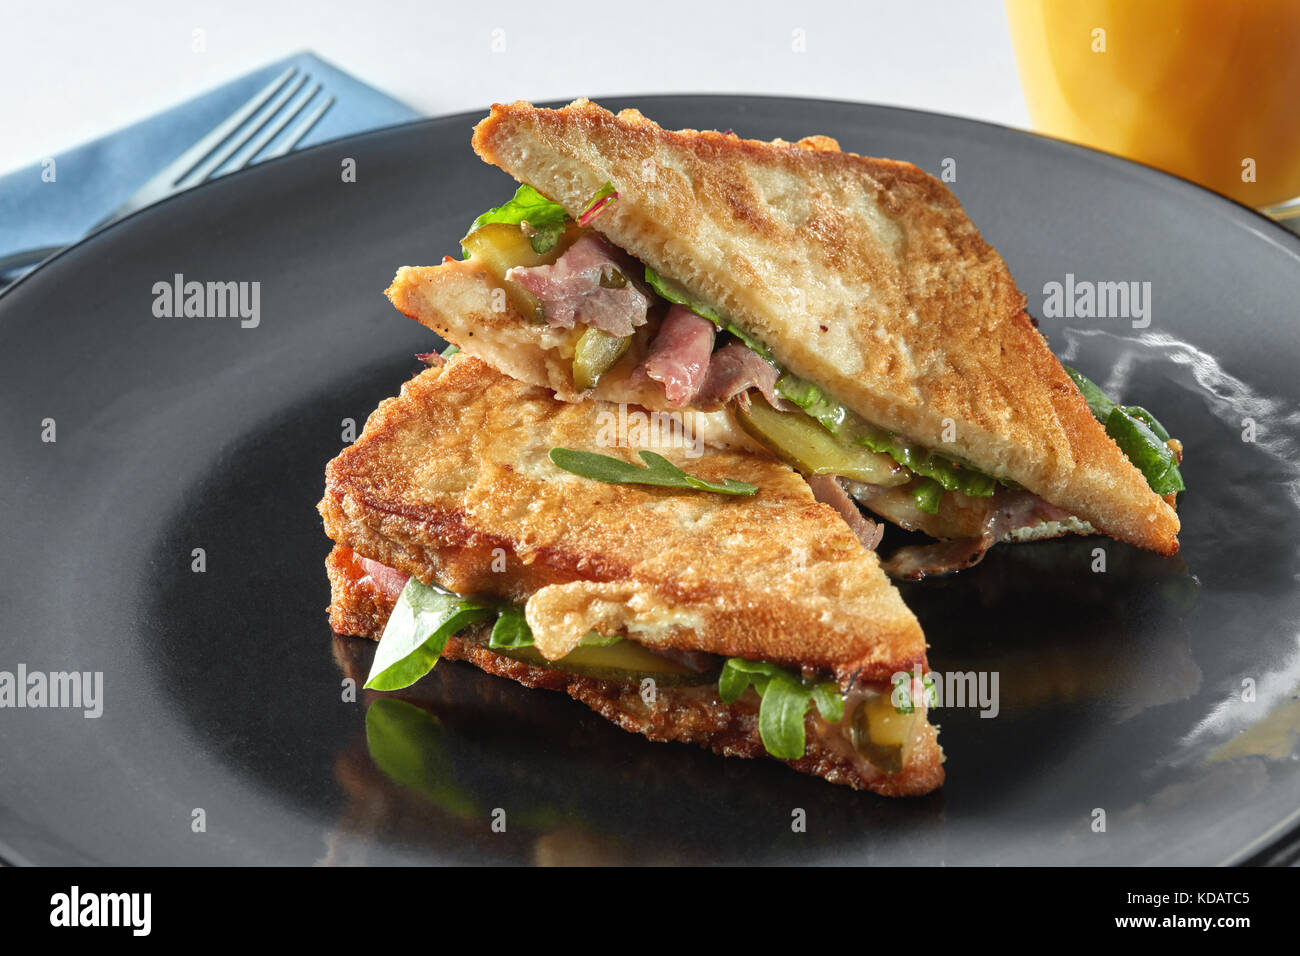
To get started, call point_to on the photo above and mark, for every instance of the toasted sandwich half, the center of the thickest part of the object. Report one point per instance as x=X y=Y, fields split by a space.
x=842 y=309
x=747 y=619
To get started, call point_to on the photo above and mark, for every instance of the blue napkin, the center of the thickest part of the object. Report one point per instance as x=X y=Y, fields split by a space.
x=94 y=179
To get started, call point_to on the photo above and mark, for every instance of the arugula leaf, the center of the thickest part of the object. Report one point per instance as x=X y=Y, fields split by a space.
x=671 y=291
x=780 y=717
x=511 y=629
x=738 y=673
x=658 y=471
x=1137 y=433
x=786 y=698
x=830 y=702
x=417 y=631
x=547 y=219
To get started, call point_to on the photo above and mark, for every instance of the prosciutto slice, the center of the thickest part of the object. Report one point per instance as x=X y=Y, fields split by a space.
x=828 y=490
x=733 y=371
x=679 y=355
x=591 y=283
x=388 y=581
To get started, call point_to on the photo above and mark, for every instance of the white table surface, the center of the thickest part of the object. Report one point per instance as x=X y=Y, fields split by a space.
x=72 y=71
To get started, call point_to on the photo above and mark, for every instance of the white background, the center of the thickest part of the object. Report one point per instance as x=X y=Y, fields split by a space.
x=72 y=71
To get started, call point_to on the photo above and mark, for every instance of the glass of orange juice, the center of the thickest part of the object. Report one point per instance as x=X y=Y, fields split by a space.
x=1206 y=89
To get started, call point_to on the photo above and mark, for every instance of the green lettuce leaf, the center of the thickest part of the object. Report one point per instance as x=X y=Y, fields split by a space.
x=786 y=699
x=417 y=631
x=547 y=219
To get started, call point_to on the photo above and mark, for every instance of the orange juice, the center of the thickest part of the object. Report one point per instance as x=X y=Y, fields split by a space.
x=1206 y=89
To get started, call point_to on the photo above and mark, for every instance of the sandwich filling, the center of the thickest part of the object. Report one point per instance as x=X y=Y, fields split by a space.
x=611 y=311
x=871 y=726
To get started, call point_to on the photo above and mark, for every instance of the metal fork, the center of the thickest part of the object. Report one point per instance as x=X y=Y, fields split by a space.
x=250 y=128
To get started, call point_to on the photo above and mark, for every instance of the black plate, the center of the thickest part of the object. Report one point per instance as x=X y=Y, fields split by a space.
x=1120 y=691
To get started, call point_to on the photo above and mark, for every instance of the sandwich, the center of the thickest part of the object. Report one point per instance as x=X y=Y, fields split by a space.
x=838 y=310
x=685 y=593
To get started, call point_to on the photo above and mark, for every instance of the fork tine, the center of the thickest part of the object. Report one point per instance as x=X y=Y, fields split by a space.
x=164 y=182
x=240 y=136
x=274 y=130
x=301 y=130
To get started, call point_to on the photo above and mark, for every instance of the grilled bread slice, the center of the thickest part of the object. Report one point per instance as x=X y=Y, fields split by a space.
x=450 y=482
x=690 y=714
x=862 y=275
x=454 y=475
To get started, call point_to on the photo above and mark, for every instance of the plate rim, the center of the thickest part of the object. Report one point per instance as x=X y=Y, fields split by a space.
x=1270 y=846
x=1239 y=213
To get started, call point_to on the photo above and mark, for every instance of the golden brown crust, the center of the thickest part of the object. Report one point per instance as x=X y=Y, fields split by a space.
x=453 y=475
x=861 y=274
x=358 y=608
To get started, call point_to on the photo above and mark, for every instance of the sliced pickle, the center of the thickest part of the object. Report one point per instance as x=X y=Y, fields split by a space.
x=500 y=247
x=595 y=354
x=813 y=450
x=881 y=734
x=625 y=661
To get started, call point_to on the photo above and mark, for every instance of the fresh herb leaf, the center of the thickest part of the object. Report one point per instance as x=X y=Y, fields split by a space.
x=830 y=702
x=1144 y=416
x=672 y=292
x=1153 y=457
x=511 y=629
x=948 y=474
x=658 y=471
x=1137 y=433
x=1098 y=403
x=417 y=631
x=546 y=219
x=738 y=673
x=781 y=717
x=786 y=699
